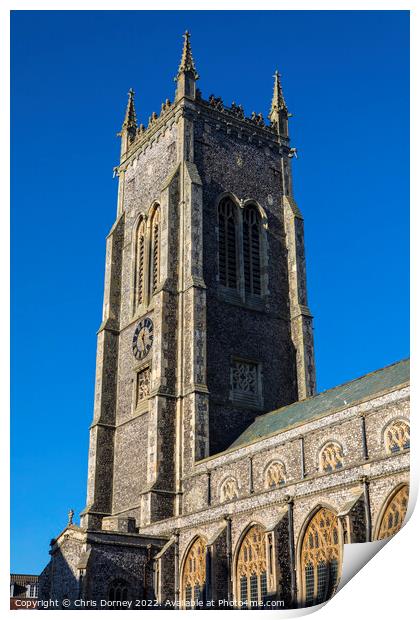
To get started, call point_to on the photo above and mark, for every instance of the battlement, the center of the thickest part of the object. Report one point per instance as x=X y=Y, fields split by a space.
x=273 y=129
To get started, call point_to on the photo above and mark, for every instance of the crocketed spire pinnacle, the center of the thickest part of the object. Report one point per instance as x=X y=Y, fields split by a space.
x=187 y=61
x=278 y=103
x=130 y=119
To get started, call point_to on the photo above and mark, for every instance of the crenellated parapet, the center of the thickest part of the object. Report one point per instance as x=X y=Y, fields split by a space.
x=189 y=100
x=144 y=132
x=237 y=111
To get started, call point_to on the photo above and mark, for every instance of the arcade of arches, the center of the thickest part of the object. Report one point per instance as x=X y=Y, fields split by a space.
x=318 y=562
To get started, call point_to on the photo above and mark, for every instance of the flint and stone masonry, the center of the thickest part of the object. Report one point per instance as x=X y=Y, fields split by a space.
x=205 y=328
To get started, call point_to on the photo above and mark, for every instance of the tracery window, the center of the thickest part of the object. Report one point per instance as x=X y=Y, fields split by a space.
x=227 y=243
x=252 y=568
x=275 y=475
x=155 y=250
x=331 y=457
x=251 y=250
x=397 y=436
x=229 y=490
x=194 y=577
x=140 y=249
x=118 y=591
x=320 y=557
x=394 y=514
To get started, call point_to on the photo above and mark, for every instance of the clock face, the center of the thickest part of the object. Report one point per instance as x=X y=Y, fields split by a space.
x=143 y=338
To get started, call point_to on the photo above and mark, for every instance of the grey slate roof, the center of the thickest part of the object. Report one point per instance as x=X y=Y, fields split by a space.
x=322 y=404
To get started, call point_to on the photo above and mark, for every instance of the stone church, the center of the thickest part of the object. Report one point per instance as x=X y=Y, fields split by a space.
x=217 y=476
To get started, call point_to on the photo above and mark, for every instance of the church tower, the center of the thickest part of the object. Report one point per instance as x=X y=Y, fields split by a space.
x=205 y=318
x=210 y=467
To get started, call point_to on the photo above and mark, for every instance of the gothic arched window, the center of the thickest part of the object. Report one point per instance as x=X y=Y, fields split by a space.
x=394 y=514
x=251 y=572
x=397 y=436
x=251 y=250
x=139 y=274
x=229 y=490
x=194 y=574
x=154 y=250
x=118 y=591
x=275 y=475
x=331 y=457
x=227 y=243
x=320 y=557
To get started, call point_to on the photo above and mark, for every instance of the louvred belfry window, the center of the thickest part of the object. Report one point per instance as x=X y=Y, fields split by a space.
x=251 y=249
x=155 y=251
x=227 y=244
x=140 y=247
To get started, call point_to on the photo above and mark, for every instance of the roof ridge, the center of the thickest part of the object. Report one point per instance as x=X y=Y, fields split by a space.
x=372 y=372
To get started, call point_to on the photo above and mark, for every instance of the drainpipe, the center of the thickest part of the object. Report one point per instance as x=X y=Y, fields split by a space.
x=147 y=566
x=251 y=475
x=229 y=555
x=290 y=504
x=176 y=555
x=209 y=584
x=365 y=482
x=208 y=488
x=302 y=456
x=364 y=439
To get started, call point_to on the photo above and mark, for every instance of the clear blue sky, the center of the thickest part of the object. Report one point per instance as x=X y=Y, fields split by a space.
x=346 y=81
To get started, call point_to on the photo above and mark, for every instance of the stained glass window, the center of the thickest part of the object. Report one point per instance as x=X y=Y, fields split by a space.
x=194 y=575
x=252 y=567
x=331 y=457
x=397 y=436
x=394 y=514
x=229 y=490
x=275 y=475
x=321 y=557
